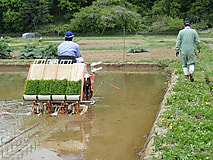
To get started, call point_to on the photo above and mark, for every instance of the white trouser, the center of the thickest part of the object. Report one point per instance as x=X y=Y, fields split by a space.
x=189 y=70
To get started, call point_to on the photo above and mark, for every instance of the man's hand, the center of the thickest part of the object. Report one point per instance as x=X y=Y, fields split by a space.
x=177 y=54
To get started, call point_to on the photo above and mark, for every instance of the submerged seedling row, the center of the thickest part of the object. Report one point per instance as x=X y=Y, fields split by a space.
x=30 y=137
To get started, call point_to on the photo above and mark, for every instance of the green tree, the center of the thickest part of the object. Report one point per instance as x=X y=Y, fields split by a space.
x=201 y=13
x=104 y=17
x=166 y=24
x=184 y=7
x=10 y=20
x=165 y=16
x=143 y=6
x=166 y=8
x=69 y=7
x=35 y=13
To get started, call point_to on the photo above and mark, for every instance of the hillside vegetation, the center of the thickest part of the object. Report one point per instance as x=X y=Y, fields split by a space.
x=100 y=17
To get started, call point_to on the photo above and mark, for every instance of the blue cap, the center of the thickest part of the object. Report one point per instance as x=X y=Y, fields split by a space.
x=69 y=34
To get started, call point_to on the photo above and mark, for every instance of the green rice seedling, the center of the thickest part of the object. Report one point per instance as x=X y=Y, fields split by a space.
x=58 y=87
x=11 y=146
x=27 y=149
x=45 y=87
x=25 y=137
x=2 y=152
x=16 y=142
x=7 y=149
x=38 y=140
x=73 y=87
x=17 y=122
x=2 y=139
x=31 y=147
x=20 y=141
x=35 y=143
x=14 y=131
x=31 y=87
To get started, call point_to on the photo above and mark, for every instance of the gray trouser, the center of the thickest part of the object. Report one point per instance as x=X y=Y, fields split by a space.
x=188 y=61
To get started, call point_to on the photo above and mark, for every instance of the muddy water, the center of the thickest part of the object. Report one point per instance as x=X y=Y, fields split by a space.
x=113 y=129
x=11 y=85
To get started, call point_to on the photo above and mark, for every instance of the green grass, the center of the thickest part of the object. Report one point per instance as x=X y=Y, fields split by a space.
x=189 y=115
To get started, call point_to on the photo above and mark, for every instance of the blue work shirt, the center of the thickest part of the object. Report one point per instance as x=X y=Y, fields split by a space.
x=69 y=48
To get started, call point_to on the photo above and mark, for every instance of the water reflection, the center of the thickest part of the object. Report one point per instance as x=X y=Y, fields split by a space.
x=112 y=129
x=123 y=116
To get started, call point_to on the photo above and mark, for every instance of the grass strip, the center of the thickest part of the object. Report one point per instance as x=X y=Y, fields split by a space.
x=188 y=119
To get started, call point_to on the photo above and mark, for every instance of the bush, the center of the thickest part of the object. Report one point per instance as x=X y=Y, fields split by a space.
x=32 y=52
x=103 y=19
x=29 y=52
x=166 y=24
x=137 y=50
x=49 y=52
x=5 y=50
x=52 y=29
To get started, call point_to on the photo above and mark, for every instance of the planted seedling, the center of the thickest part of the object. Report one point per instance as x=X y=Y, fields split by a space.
x=35 y=143
x=2 y=152
x=11 y=146
x=31 y=147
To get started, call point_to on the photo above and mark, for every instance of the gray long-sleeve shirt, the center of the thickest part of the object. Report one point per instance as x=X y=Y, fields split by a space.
x=186 y=39
x=69 y=48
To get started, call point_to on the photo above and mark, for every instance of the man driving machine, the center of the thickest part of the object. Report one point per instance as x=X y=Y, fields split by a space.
x=69 y=50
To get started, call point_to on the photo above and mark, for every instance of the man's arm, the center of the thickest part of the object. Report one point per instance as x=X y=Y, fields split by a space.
x=197 y=41
x=178 y=43
x=78 y=54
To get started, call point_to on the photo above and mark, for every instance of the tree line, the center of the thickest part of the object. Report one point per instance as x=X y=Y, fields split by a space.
x=103 y=16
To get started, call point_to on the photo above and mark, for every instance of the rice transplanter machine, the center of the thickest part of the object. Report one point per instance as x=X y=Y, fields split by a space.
x=44 y=71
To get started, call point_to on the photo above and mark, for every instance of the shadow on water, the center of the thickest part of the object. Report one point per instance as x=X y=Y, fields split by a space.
x=113 y=128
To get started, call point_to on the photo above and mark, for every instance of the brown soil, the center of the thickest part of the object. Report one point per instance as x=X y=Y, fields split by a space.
x=93 y=50
x=97 y=50
x=121 y=56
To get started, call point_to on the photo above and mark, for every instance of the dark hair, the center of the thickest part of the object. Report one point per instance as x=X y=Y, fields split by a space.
x=68 y=38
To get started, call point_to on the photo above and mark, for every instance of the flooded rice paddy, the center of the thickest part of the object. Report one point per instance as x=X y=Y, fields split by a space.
x=114 y=128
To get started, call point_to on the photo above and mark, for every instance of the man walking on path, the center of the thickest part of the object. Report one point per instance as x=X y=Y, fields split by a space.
x=186 y=40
